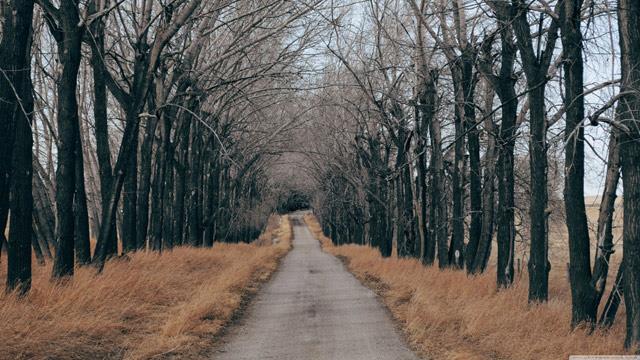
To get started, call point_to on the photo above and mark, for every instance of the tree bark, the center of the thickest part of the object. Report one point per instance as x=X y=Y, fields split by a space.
x=456 y=249
x=629 y=28
x=103 y=150
x=469 y=81
x=81 y=241
x=16 y=110
x=535 y=65
x=18 y=106
x=130 y=194
x=69 y=39
x=604 y=233
x=427 y=106
x=583 y=295
x=144 y=188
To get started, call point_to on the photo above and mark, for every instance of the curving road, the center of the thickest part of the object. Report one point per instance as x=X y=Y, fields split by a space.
x=313 y=309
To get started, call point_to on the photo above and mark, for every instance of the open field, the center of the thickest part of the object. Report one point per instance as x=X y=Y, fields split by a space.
x=149 y=306
x=449 y=315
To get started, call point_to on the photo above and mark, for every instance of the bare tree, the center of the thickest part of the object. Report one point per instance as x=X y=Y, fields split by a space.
x=16 y=109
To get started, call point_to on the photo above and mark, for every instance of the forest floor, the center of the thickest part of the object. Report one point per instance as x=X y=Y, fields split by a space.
x=313 y=308
x=173 y=305
x=448 y=315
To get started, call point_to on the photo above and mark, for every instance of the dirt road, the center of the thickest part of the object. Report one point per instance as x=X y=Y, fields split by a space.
x=313 y=309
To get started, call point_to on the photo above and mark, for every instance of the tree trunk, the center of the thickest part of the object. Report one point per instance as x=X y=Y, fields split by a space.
x=21 y=200
x=629 y=28
x=130 y=195
x=583 y=296
x=535 y=65
x=144 y=188
x=506 y=230
x=69 y=53
x=43 y=211
x=427 y=106
x=438 y=217
x=456 y=250
x=195 y=210
x=103 y=150
x=212 y=198
x=488 y=194
x=538 y=254
x=473 y=146
x=182 y=137
x=604 y=233
x=16 y=141
x=613 y=301
x=81 y=241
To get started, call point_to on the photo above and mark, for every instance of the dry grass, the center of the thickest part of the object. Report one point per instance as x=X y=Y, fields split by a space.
x=271 y=235
x=448 y=315
x=151 y=306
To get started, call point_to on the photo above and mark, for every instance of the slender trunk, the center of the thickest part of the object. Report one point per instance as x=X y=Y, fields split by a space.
x=37 y=250
x=130 y=195
x=43 y=212
x=438 y=217
x=181 y=183
x=103 y=150
x=195 y=210
x=109 y=212
x=604 y=233
x=427 y=106
x=613 y=301
x=610 y=309
x=401 y=218
x=81 y=242
x=488 y=193
x=212 y=199
x=456 y=250
x=473 y=146
x=144 y=188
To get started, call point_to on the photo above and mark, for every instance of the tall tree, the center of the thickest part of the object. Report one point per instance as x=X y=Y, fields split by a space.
x=16 y=111
x=629 y=34
x=504 y=85
x=583 y=293
x=133 y=102
x=66 y=28
x=535 y=63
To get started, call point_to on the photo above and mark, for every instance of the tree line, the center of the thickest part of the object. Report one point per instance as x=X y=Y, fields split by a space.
x=133 y=125
x=460 y=122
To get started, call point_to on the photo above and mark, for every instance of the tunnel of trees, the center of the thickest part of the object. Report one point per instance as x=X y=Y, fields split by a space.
x=453 y=132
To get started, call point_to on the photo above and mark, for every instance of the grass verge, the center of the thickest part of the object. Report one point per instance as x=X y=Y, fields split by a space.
x=449 y=315
x=150 y=306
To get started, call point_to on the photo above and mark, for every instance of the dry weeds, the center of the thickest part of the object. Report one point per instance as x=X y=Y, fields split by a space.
x=449 y=315
x=150 y=306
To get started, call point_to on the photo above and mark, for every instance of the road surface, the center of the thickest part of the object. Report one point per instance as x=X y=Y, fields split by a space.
x=313 y=309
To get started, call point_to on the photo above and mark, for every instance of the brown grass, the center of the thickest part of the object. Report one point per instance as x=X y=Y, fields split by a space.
x=449 y=315
x=151 y=306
